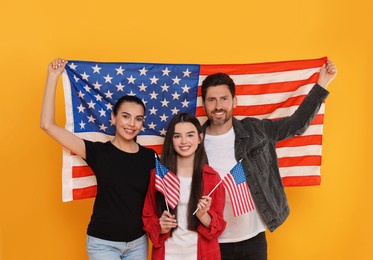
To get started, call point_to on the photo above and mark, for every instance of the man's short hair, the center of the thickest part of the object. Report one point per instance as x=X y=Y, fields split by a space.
x=218 y=79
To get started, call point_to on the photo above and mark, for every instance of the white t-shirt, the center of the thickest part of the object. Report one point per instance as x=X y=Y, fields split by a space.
x=183 y=243
x=220 y=153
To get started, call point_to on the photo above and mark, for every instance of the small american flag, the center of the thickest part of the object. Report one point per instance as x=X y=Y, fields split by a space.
x=238 y=190
x=264 y=90
x=167 y=183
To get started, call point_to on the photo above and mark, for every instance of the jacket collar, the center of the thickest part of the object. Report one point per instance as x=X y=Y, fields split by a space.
x=207 y=169
x=239 y=130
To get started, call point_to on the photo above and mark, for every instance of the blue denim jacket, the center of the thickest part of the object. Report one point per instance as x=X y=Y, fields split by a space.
x=255 y=143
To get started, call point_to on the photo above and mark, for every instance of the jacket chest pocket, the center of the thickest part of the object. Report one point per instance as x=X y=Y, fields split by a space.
x=260 y=157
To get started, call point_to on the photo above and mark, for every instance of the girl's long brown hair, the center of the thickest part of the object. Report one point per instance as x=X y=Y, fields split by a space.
x=169 y=159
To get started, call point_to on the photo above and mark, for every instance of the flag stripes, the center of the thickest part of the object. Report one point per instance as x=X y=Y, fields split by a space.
x=238 y=190
x=167 y=183
x=168 y=187
x=239 y=196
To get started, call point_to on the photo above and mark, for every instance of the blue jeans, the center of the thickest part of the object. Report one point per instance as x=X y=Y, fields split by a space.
x=100 y=249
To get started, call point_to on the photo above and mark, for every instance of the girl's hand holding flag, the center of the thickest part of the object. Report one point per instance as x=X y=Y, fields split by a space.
x=167 y=221
x=206 y=197
x=203 y=207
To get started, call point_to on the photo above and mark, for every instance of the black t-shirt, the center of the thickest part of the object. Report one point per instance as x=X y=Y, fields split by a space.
x=122 y=183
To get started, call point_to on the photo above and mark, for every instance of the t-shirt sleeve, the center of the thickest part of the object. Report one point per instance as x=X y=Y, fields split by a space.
x=92 y=151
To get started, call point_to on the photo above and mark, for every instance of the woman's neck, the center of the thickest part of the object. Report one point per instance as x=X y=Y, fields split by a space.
x=185 y=166
x=129 y=146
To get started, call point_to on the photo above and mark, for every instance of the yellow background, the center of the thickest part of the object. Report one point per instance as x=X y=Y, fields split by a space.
x=331 y=221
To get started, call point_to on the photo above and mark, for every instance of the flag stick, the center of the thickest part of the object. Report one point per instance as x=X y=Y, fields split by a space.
x=165 y=199
x=209 y=194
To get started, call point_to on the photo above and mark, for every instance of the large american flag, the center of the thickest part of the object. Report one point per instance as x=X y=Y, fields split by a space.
x=236 y=186
x=264 y=90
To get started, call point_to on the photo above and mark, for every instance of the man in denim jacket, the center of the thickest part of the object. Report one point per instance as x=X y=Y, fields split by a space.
x=229 y=140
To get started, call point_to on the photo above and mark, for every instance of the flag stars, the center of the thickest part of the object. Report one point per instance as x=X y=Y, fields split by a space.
x=175 y=95
x=97 y=85
x=163 y=132
x=187 y=73
x=164 y=96
x=152 y=126
x=154 y=80
x=120 y=70
x=142 y=87
x=165 y=103
x=91 y=104
x=84 y=76
x=185 y=103
x=153 y=111
x=166 y=71
x=165 y=87
x=91 y=119
x=81 y=108
x=131 y=79
x=143 y=71
x=102 y=113
x=163 y=117
x=81 y=94
x=87 y=88
x=175 y=111
x=185 y=88
x=109 y=106
x=119 y=87
x=108 y=78
x=73 y=66
x=103 y=127
x=82 y=124
x=143 y=101
x=98 y=97
x=176 y=80
x=153 y=95
x=96 y=69
x=108 y=94
x=76 y=78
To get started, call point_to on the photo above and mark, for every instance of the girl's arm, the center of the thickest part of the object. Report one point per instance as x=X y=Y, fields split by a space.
x=150 y=218
x=215 y=212
x=47 y=118
x=203 y=208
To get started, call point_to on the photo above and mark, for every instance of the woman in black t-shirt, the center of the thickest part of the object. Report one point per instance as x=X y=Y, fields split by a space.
x=122 y=169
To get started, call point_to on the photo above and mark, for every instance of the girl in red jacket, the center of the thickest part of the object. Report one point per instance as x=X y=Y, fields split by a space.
x=180 y=234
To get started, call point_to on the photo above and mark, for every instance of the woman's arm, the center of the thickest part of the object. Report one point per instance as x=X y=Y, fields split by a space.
x=47 y=117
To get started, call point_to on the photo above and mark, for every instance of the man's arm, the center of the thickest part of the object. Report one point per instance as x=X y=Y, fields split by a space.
x=298 y=123
x=327 y=73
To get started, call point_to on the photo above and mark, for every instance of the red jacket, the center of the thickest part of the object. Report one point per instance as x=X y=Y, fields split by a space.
x=207 y=245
